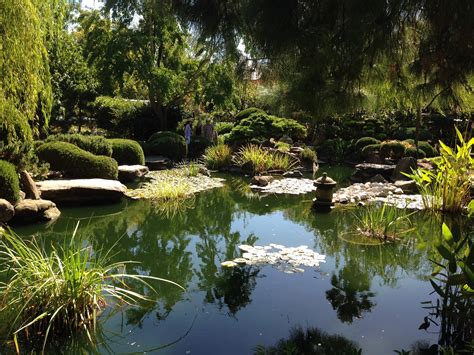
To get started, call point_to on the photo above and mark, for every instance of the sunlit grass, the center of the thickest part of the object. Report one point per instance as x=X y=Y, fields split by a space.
x=260 y=160
x=218 y=156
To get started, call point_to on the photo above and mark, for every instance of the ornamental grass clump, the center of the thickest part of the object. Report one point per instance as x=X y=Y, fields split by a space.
x=259 y=160
x=61 y=291
x=218 y=157
x=447 y=187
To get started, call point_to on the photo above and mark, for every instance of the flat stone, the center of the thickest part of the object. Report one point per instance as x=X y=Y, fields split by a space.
x=33 y=211
x=130 y=173
x=293 y=173
x=407 y=186
x=82 y=191
x=7 y=211
x=364 y=172
x=263 y=180
x=157 y=162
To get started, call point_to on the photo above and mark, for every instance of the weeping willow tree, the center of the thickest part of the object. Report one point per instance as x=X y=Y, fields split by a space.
x=27 y=27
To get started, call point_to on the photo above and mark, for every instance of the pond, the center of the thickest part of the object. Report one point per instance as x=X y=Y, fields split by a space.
x=363 y=297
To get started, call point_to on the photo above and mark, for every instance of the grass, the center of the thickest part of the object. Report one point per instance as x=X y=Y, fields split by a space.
x=383 y=222
x=259 y=160
x=447 y=188
x=55 y=293
x=169 y=191
x=218 y=156
x=192 y=169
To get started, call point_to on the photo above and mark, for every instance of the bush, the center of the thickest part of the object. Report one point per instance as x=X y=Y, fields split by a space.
x=335 y=150
x=96 y=145
x=370 y=149
x=411 y=152
x=77 y=163
x=256 y=159
x=246 y=113
x=127 y=152
x=9 y=182
x=167 y=144
x=223 y=127
x=197 y=146
x=428 y=149
x=282 y=146
x=392 y=149
x=365 y=141
x=261 y=127
x=308 y=155
x=218 y=156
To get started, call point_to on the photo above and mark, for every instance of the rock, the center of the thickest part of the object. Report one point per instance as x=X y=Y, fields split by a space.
x=263 y=180
x=29 y=186
x=293 y=173
x=364 y=172
x=130 y=173
x=290 y=186
x=204 y=171
x=82 y=191
x=404 y=165
x=378 y=178
x=6 y=211
x=22 y=195
x=407 y=186
x=286 y=139
x=156 y=162
x=33 y=211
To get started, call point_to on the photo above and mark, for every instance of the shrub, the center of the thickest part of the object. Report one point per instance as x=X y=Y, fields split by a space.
x=246 y=113
x=218 y=156
x=127 y=152
x=282 y=146
x=392 y=149
x=258 y=160
x=261 y=127
x=411 y=152
x=77 y=163
x=370 y=149
x=9 y=182
x=364 y=141
x=167 y=144
x=428 y=149
x=308 y=155
x=334 y=150
x=223 y=127
x=197 y=146
x=97 y=145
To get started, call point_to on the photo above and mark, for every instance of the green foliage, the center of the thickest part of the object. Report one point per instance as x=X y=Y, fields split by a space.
x=23 y=156
x=364 y=141
x=448 y=186
x=96 y=145
x=77 y=163
x=308 y=155
x=120 y=115
x=9 y=182
x=370 y=149
x=261 y=127
x=167 y=144
x=258 y=160
x=428 y=149
x=127 y=152
x=392 y=149
x=218 y=156
x=412 y=152
x=247 y=113
x=197 y=146
x=63 y=290
x=223 y=127
x=334 y=150
x=282 y=147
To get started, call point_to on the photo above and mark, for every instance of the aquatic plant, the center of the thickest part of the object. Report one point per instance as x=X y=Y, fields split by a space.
x=447 y=188
x=61 y=291
x=259 y=160
x=168 y=190
x=382 y=222
x=218 y=156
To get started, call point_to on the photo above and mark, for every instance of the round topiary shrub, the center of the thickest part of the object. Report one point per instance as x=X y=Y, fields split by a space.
x=428 y=149
x=127 y=152
x=411 y=152
x=365 y=141
x=167 y=144
x=9 y=182
x=96 y=145
x=74 y=162
x=392 y=149
x=370 y=149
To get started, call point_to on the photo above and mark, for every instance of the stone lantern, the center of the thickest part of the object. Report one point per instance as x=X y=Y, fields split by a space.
x=324 y=192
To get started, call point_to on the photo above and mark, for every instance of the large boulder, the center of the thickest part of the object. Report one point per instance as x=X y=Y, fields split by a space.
x=157 y=162
x=6 y=211
x=263 y=180
x=33 y=211
x=130 y=173
x=29 y=186
x=82 y=191
x=404 y=166
x=366 y=171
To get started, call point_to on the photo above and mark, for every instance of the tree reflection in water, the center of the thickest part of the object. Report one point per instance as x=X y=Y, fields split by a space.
x=310 y=341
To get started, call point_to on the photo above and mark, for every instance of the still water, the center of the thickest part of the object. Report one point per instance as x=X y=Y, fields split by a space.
x=363 y=297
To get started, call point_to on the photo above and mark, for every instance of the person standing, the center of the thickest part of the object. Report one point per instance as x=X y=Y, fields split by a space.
x=187 y=135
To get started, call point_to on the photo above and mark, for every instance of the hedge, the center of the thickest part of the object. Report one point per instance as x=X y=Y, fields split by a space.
x=96 y=145
x=9 y=182
x=127 y=152
x=167 y=144
x=74 y=162
x=393 y=149
x=364 y=141
x=370 y=149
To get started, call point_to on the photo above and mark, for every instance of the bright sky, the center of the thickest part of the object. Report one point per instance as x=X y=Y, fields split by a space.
x=91 y=4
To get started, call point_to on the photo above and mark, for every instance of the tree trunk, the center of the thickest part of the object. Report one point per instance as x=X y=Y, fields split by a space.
x=417 y=130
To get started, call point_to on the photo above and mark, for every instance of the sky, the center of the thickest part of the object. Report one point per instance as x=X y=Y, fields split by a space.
x=91 y=4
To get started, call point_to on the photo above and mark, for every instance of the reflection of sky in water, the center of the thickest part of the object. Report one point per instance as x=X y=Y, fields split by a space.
x=369 y=295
